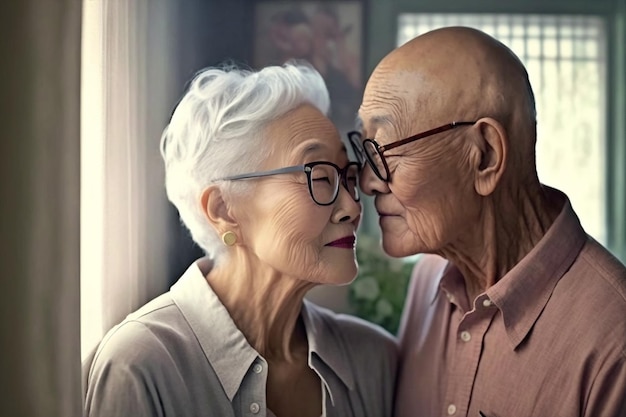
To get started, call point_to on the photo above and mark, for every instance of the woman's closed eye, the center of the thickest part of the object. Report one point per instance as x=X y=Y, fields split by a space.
x=323 y=180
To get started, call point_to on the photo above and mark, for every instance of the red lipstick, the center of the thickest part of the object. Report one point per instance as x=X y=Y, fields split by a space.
x=345 y=242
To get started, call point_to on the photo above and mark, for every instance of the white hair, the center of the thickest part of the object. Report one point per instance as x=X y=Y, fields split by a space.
x=217 y=130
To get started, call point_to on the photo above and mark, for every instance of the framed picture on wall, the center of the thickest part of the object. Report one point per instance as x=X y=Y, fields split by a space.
x=326 y=33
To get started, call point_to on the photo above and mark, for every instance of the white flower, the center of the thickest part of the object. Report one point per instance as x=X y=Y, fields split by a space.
x=383 y=309
x=366 y=288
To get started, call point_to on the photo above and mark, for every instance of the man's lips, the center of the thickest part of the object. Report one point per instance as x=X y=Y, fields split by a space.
x=344 y=242
x=383 y=212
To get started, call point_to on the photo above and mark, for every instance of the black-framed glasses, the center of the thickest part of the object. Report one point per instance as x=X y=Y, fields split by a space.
x=368 y=150
x=323 y=179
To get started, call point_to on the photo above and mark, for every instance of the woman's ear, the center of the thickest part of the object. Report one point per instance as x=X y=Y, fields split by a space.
x=489 y=167
x=216 y=209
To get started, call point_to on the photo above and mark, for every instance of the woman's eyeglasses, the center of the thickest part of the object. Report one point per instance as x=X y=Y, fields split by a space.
x=323 y=179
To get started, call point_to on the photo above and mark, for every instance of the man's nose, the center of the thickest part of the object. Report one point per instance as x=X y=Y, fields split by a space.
x=370 y=183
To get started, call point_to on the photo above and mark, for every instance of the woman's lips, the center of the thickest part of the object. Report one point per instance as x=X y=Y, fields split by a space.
x=345 y=242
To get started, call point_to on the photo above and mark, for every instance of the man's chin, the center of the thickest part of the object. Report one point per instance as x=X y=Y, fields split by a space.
x=395 y=248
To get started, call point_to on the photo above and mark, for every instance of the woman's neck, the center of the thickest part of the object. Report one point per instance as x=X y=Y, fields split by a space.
x=264 y=304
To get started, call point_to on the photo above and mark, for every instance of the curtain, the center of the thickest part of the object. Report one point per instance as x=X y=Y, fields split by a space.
x=39 y=208
x=128 y=88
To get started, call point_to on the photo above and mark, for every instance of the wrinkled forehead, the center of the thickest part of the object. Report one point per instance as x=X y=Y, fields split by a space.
x=391 y=99
x=304 y=133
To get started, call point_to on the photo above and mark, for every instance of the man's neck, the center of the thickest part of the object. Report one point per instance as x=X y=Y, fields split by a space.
x=510 y=226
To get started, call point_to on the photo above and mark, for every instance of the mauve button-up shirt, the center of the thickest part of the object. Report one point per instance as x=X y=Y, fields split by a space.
x=547 y=340
x=181 y=355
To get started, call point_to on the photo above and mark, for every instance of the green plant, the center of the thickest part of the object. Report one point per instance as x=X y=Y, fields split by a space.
x=378 y=292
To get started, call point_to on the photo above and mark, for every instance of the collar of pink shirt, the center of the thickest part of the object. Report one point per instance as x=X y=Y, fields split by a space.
x=524 y=291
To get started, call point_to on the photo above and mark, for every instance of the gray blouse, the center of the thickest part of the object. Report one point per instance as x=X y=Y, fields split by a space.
x=181 y=355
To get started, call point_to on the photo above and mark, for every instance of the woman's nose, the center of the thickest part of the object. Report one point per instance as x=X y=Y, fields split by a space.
x=347 y=209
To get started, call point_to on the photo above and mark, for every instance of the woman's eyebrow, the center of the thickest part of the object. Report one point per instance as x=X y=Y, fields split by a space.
x=314 y=145
x=308 y=147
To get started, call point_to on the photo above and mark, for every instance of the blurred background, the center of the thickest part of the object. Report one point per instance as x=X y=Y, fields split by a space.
x=87 y=232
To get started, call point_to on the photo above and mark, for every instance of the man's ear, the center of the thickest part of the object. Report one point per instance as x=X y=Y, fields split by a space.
x=493 y=145
x=216 y=209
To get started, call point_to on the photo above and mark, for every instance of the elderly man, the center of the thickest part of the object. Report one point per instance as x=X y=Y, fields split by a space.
x=515 y=311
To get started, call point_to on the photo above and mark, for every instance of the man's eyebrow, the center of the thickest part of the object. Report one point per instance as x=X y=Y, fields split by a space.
x=375 y=121
x=382 y=120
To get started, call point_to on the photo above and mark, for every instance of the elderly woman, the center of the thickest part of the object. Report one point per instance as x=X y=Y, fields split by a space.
x=263 y=182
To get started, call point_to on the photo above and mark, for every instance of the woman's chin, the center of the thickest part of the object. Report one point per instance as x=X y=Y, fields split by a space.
x=342 y=276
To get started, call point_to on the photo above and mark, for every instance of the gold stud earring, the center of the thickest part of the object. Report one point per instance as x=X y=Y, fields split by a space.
x=229 y=238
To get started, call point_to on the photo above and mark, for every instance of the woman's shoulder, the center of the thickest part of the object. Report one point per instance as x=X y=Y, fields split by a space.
x=141 y=336
x=354 y=332
x=366 y=350
x=138 y=367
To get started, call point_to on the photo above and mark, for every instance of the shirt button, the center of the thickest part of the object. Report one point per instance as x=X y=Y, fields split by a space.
x=254 y=408
x=257 y=368
x=466 y=336
x=486 y=302
x=451 y=409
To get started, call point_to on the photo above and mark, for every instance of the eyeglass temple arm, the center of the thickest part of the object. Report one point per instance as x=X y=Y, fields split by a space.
x=425 y=134
x=264 y=173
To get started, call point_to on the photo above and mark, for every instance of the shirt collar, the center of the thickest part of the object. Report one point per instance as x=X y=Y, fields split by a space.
x=322 y=338
x=443 y=273
x=231 y=359
x=210 y=321
x=523 y=292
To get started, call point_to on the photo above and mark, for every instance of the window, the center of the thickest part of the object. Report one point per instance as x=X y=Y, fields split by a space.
x=566 y=61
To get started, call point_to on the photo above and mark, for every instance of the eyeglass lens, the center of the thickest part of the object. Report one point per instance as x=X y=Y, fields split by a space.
x=375 y=159
x=357 y=147
x=325 y=183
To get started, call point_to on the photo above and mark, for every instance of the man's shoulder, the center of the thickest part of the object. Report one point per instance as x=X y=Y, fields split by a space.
x=428 y=265
x=426 y=276
x=596 y=285
x=600 y=279
x=597 y=262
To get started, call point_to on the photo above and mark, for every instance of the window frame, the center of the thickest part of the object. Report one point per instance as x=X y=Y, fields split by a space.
x=384 y=15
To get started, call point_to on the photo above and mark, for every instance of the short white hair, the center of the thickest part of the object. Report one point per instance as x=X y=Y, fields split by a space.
x=217 y=130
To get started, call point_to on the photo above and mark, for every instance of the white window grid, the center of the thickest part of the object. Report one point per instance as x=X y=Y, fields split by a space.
x=566 y=60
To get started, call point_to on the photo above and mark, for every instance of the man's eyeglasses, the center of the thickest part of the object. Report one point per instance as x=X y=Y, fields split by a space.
x=323 y=179
x=368 y=150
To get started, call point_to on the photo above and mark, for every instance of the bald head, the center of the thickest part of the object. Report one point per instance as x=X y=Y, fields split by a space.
x=459 y=72
x=453 y=74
